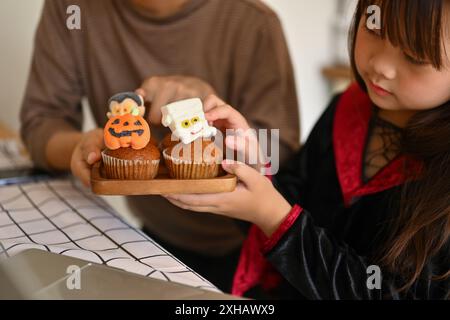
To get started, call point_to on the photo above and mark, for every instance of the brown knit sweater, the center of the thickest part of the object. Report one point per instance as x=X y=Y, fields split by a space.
x=237 y=46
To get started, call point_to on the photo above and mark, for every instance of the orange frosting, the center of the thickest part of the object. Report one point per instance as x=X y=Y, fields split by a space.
x=126 y=131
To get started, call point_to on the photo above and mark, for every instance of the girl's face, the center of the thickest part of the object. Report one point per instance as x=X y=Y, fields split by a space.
x=395 y=80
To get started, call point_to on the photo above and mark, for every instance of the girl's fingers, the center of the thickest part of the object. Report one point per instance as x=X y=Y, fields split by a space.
x=197 y=200
x=241 y=143
x=219 y=113
x=246 y=174
x=216 y=109
x=246 y=144
x=225 y=112
x=185 y=206
x=211 y=102
x=221 y=203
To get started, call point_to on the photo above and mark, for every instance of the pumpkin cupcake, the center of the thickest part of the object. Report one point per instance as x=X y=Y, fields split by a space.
x=199 y=159
x=130 y=155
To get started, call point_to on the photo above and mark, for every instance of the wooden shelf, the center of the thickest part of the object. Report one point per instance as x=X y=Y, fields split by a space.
x=334 y=73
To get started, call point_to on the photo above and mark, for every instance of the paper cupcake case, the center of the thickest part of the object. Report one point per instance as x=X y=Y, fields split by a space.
x=130 y=169
x=183 y=169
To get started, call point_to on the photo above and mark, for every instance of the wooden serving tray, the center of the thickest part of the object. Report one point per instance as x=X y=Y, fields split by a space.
x=162 y=184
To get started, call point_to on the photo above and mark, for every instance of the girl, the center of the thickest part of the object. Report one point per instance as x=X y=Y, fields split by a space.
x=370 y=188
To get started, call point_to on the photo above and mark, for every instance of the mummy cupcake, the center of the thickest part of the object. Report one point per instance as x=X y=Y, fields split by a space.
x=196 y=156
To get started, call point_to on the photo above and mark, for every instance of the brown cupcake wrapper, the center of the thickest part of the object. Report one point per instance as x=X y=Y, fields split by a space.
x=130 y=169
x=182 y=169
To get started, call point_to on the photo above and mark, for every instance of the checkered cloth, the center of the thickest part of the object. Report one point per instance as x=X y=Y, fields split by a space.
x=61 y=216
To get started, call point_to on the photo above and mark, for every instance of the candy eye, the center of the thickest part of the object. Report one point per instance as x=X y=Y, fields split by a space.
x=138 y=123
x=194 y=120
x=185 y=124
x=125 y=123
x=117 y=121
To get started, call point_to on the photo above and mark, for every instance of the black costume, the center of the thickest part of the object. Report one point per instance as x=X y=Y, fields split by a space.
x=339 y=220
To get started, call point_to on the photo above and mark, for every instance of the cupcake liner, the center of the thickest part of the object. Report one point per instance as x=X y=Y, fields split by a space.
x=129 y=169
x=183 y=169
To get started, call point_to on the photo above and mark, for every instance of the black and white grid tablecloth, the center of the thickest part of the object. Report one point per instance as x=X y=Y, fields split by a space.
x=61 y=216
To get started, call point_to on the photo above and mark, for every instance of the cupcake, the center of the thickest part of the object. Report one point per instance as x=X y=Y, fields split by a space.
x=131 y=164
x=199 y=159
x=130 y=154
x=153 y=141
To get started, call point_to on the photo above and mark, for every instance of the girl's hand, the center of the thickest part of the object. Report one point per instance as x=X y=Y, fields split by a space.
x=242 y=139
x=222 y=115
x=254 y=200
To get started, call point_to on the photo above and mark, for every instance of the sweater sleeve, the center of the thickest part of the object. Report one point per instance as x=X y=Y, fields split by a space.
x=320 y=267
x=263 y=86
x=52 y=100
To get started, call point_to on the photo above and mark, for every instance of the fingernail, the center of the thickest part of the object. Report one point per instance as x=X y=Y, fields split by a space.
x=91 y=157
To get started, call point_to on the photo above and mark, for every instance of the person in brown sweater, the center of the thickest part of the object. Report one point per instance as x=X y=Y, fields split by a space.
x=166 y=50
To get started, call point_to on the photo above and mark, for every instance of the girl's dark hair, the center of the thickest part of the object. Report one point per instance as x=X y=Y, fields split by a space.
x=421 y=231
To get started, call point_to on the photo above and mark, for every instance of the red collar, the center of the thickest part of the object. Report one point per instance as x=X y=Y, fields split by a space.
x=351 y=127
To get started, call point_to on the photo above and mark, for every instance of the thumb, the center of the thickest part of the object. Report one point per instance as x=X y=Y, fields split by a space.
x=242 y=142
x=93 y=157
x=92 y=146
x=244 y=173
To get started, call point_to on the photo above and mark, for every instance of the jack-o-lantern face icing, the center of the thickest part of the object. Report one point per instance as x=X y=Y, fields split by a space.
x=126 y=131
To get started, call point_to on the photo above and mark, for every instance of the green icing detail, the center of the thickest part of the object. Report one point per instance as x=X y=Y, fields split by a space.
x=135 y=111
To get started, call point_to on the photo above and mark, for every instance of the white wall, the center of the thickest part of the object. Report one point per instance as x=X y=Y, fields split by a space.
x=308 y=25
x=18 y=19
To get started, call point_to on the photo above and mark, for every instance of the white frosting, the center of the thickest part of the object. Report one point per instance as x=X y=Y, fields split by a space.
x=187 y=120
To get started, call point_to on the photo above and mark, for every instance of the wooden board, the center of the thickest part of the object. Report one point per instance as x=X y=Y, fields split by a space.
x=162 y=184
